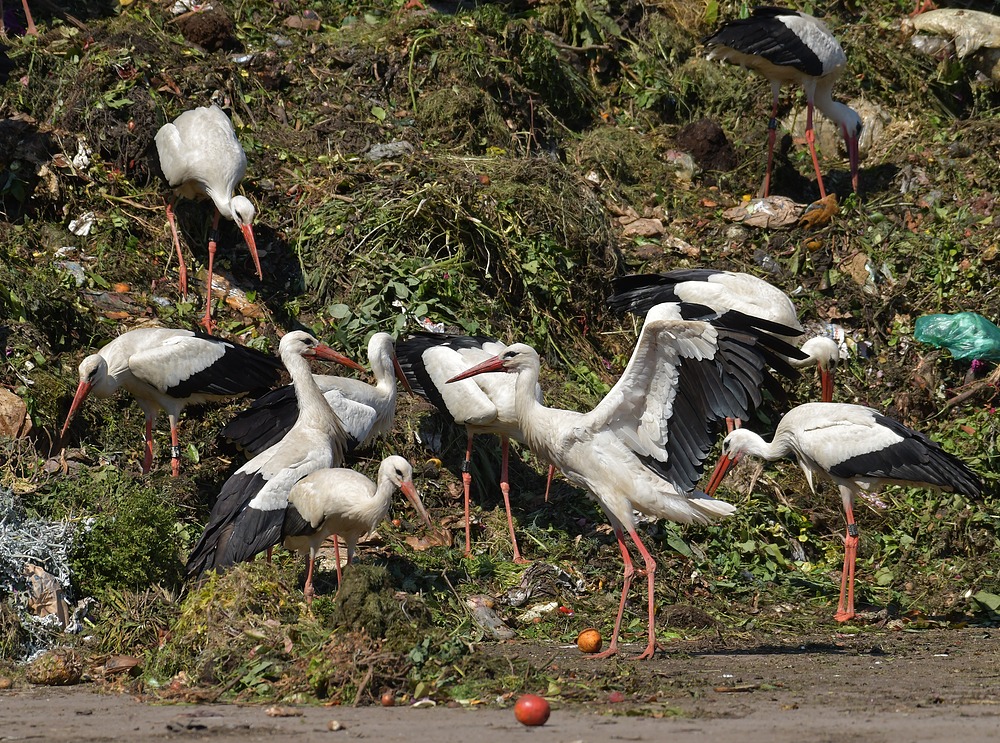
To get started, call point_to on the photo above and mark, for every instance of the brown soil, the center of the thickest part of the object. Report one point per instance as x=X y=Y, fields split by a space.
x=931 y=685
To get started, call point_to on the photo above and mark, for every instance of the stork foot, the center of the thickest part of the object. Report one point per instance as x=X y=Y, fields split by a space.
x=649 y=652
x=518 y=560
x=612 y=650
x=844 y=616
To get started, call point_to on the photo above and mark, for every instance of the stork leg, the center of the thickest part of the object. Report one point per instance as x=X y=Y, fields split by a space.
x=845 y=609
x=650 y=571
x=181 y=268
x=336 y=558
x=505 y=489
x=213 y=237
x=147 y=460
x=811 y=141
x=628 y=573
x=30 y=29
x=548 y=481
x=467 y=483
x=175 y=449
x=309 y=589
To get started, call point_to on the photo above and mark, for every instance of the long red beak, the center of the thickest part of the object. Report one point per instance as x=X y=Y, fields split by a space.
x=410 y=491
x=400 y=376
x=490 y=365
x=826 y=384
x=719 y=473
x=252 y=244
x=853 y=157
x=82 y=390
x=326 y=353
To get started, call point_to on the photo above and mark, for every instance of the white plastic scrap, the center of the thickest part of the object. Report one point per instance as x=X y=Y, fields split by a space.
x=82 y=224
x=185 y=6
x=81 y=160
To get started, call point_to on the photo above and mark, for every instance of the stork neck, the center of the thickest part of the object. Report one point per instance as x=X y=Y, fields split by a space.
x=313 y=408
x=381 y=363
x=835 y=111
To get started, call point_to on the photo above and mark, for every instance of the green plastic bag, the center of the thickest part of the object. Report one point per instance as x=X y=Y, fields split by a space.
x=968 y=335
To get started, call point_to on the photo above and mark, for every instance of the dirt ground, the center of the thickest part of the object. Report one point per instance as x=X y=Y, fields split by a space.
x=928 y=685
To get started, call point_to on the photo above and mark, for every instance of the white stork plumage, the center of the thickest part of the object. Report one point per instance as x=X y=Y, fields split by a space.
x=788 y=46
x=643 y=446
x=201 y=158
x=366 y=411
x=346 y=503
x=858 y=449
x=169 y=369
x=484 y=405
x=723 y=291
x=248 y=515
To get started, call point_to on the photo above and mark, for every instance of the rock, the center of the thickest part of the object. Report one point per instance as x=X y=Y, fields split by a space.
x=14 y=419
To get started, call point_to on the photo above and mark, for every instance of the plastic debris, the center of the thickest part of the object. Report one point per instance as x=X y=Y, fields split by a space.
x=34 y=573
x=81 y=160
x=968 y=335
x=969 y=30
x=770 y=212
x=487 y=619
x=81 y=225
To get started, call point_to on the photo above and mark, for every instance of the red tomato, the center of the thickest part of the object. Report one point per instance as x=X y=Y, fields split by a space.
x=531 y=710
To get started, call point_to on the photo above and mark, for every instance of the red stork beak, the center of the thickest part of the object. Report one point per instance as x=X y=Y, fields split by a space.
x=400 y=376
x=490 y=365
x=82 y=391
x=725 y=462
x=252 y=244
x=826 y=384
x=410 y=491
x=326 y=353
x=853 y=157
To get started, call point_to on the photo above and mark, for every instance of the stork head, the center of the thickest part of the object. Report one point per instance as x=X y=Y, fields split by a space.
x=734 y=446
x=300 y=343
x=400 y=473
x=515 y=358
x=243 y=214
x=825 y=353
x=93 y=372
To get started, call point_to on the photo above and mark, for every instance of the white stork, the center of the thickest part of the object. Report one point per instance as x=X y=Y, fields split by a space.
x=788 y=46
x=858 y=449
x=643 y=446
x=723 y=291
x=366 y=411
x=248 y=515
x=201 y=158
x=169 y=369
x=346 y=503
x=484 y=405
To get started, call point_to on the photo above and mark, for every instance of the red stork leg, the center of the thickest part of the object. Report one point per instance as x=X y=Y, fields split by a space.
x=29 y=21
x=548 y=481
x=845 y=610
x=175 y=449
x=181 y=268
x=309 y=590
x=336 y=557
x=212 y=240
x=650 y=571
x=811 y=141
x=467 y=483
x=505 y=489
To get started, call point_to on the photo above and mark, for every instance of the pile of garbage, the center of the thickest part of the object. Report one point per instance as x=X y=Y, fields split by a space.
x=35 y=574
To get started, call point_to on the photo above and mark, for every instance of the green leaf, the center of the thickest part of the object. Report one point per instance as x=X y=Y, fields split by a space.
x=989 y=600
x=379 y=113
